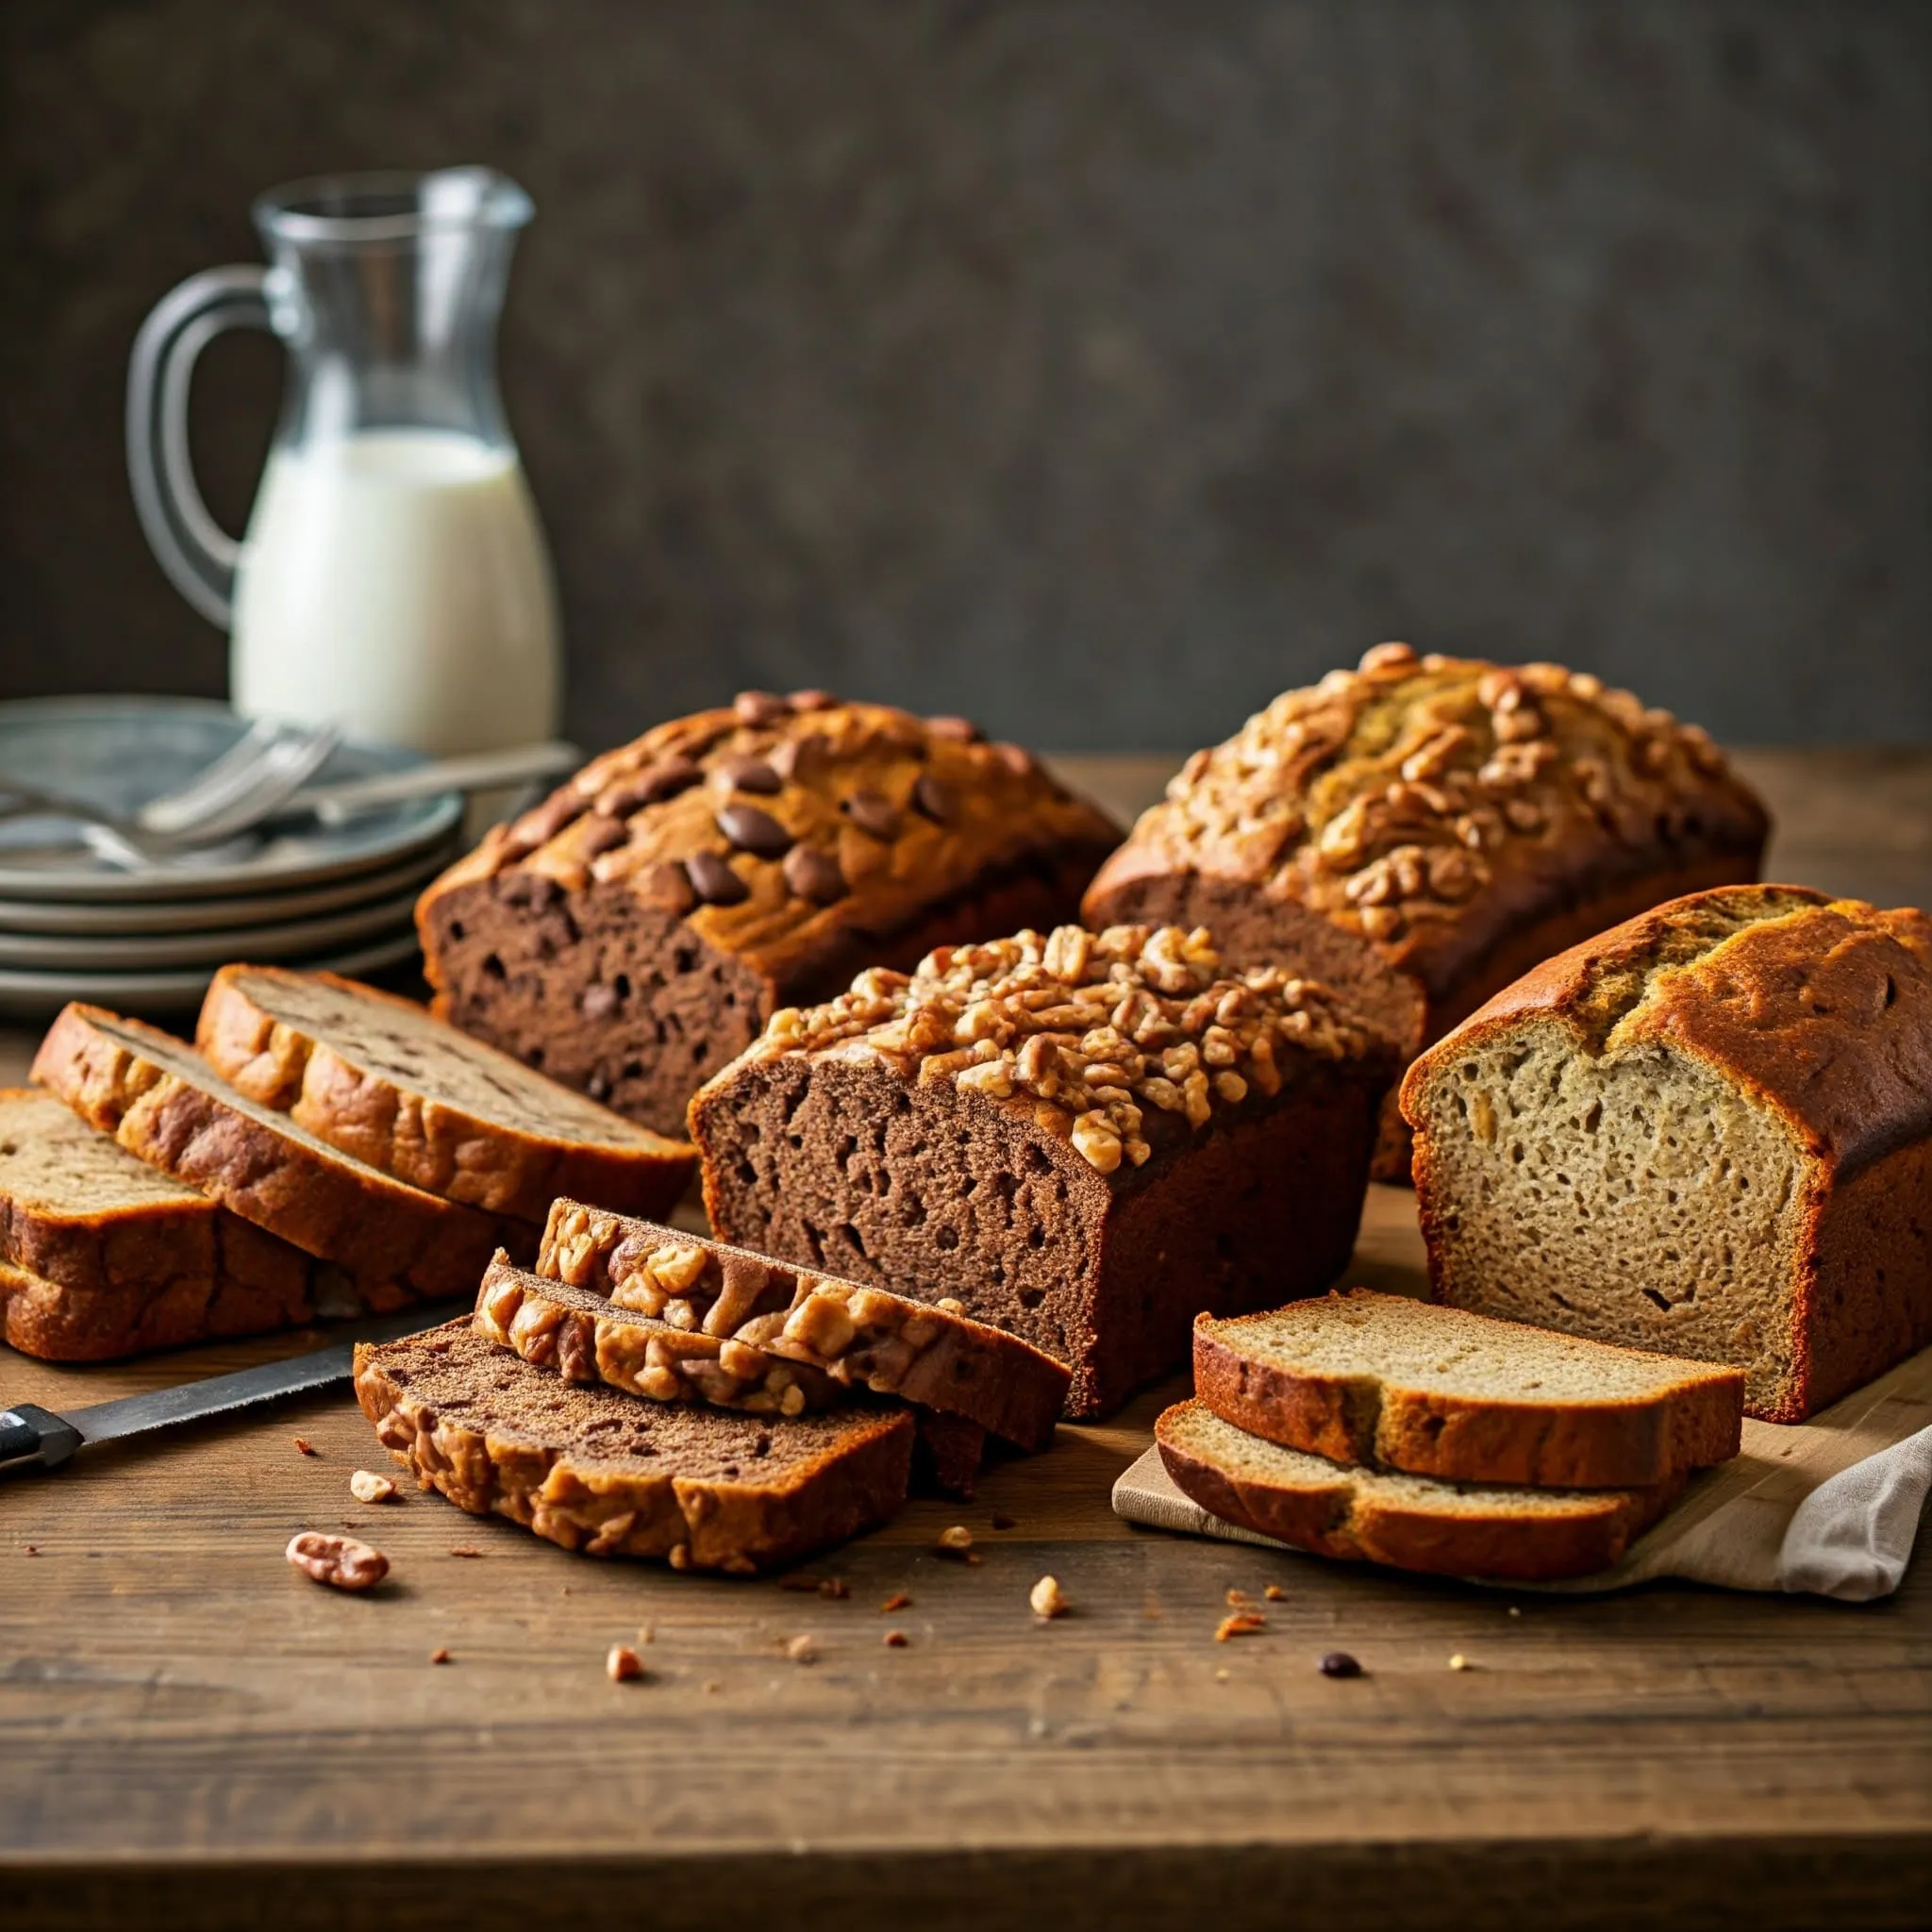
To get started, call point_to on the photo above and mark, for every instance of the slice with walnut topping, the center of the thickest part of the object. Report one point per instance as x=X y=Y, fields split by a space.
x=1083 y=1139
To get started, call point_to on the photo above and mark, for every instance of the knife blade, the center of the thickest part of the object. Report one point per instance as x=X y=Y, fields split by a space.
x=31 y=1434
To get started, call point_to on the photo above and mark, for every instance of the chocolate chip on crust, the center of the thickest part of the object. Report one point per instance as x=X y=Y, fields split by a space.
x=815 y=876
x=872 y=813
x=755 y=831
x=713 y=880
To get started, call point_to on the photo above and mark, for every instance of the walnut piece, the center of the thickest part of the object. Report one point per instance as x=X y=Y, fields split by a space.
x=340 y=1561
x=1048 y=1599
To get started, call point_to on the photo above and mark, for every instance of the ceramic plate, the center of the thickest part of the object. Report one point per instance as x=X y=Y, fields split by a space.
x=235 y=916
x=120 y=752
x=25 y=995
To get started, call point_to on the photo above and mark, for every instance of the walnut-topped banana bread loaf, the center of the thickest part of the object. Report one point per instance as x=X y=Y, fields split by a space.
x=1707 y=1132
x=1419 y=831
x=630 y=935
x=1084 y=1139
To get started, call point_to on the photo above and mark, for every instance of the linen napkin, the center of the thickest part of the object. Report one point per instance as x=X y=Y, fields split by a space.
x=1828 y=1507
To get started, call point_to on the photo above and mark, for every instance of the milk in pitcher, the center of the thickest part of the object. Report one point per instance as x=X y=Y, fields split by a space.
x=396 y=581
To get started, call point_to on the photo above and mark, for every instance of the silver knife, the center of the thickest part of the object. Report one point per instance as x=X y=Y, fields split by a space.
x=32 y=1435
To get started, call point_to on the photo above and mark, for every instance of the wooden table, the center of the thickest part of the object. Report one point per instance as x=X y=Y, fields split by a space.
x=191 y=1733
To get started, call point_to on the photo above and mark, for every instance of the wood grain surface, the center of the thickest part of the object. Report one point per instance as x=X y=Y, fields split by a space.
x=190 y=1733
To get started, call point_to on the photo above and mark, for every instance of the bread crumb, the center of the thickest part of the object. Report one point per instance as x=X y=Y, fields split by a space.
x=712 y=1684
x=956 y=1539
x=835 y=1589
x=1242 y=1623
x=1221 y=1676
x=803 y=1649
x=1048 y=1599
x=1275 y=1594
x=1002 y=1521
x=896 y=1639
x=1514 y=1611
x=305 y=1447
x=439 y=1656
x=1460 y=1663
x=623 y=1665
x=647 y=1633
x=367 y=1487
x=1237 y=1599
x=464 y=1550
x=805 y=1585
x=32 y=1551
x=897 y=1600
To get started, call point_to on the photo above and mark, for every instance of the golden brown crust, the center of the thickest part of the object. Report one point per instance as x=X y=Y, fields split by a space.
x=829 y=817
x=1432 y=805
x=1336 y=1516
x=853 y=1478
x=413 y=1134
x=394 y=1241
x=1377 y=1423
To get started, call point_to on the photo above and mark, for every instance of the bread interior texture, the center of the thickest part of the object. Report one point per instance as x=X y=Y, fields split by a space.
x=1634 y=1198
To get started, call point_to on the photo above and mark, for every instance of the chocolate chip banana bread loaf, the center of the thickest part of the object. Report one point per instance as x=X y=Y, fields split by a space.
x=1707 y=1132
x=1419 y=831
x=629 y=936
x=1084 y=1139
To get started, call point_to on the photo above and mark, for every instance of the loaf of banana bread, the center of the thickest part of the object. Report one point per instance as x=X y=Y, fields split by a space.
x=631 y=935
x=1707 y=1132
x=1419 y=831
x=1084 y=1139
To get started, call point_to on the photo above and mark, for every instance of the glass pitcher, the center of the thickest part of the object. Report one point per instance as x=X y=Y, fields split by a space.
x=393 y=579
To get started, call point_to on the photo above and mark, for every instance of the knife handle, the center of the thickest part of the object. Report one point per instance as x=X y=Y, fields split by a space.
x=32 y=1434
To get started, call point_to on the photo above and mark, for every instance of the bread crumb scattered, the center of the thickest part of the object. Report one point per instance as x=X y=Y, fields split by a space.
x=1048 y=1599
x=1514 y=1611
x=1275 y=1594
x=803 y=1649
x=647 y=1633
x=835 y=1589
x=305 y=1447
x=956 y=1539
x=896 y=1639
x=439 y=1656
x=1237 y=1599
x=897 y=1600
x=1221 y=1676
x=31 y=1550
x=623 y=1665
x=712 y=1684
x=804 y=1586
x=1460 y=1663
x=1242 y=1623
x=464 y=1550
x=367 y=1487
x=1002 y=1521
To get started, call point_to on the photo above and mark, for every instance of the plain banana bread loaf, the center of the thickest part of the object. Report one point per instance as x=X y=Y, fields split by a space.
x=1083 y=1139
x=1419 y=831
x=380 y=1079
x=101 y=1256
x=1707 y=1132
x=1390 y=1382
x=602 y=1473
x=629 y=936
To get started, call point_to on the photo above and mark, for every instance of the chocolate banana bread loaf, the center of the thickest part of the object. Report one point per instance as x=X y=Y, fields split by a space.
x=1084 y=1139
x=1419 y=832
x=1707 y=1132
x=629 y=936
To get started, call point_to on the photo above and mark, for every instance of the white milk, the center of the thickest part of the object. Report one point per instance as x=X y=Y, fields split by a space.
x=395 y=582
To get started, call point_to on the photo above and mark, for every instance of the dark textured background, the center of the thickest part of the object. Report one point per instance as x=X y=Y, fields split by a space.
x=1096 y=366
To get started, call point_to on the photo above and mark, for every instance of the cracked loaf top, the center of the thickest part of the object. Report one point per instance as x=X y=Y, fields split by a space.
x=774 y=824
x=1428 y=803
x=1095 y=1033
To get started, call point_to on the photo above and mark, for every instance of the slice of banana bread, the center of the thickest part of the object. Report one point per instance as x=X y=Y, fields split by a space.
x=630 y=935
x=380 y=1079
x=101 y=1256
x=1383 y=1380
x=391 y=1243
x=1406 y=1522
x=933 y=1357
x=601 y=1473
x=1419 y=831
x=1708 y=1131
x=1083 y=1139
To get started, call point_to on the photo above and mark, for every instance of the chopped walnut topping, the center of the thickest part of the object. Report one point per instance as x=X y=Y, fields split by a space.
x=367 y=1487
x=340 y=1561
x=1242 y=1623
x=1048 y=1599
x=1087 y=1030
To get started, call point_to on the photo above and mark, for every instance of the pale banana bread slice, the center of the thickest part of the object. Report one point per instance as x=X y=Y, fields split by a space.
x=101 y=1256
x=1406 y=1522
x=598 y=1472
x=161 y=1101
x=933 y=1356
x=1390 y=1382
x=1706 y=1131
x=382 y=1080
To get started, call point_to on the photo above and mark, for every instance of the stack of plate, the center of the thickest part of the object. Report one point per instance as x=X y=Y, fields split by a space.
x=76 y=927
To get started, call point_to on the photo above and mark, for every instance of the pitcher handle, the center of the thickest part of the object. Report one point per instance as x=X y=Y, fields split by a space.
x=197 y=554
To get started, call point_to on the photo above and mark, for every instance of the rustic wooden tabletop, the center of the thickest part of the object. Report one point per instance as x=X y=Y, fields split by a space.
x=192 y=1734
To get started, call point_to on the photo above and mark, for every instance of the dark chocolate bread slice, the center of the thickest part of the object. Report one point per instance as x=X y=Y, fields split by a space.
x=1084 y=1139
x=934 y=1356
x=630 y=934
x=1406 y=1522
x=162 y=1102
x=601 y=1473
